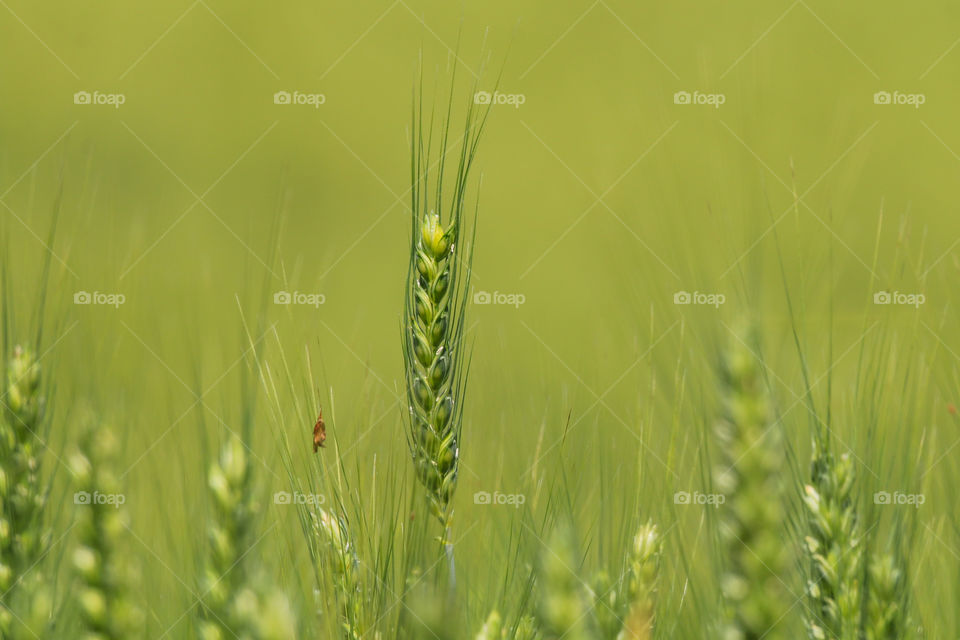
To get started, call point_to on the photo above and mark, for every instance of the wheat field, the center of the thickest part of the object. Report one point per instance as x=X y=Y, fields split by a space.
x=507 y=320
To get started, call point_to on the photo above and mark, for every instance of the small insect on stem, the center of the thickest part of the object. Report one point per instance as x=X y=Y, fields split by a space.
x=319 y=433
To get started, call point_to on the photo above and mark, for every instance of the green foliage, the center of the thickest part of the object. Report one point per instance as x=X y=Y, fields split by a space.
x=602 y=198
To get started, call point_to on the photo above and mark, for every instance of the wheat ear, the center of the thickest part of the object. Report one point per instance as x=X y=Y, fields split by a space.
x=563 y=612
x=834 y=549
x=885 y=618
x=753 y=513
x=434 y=335
x=235 y=604
x=434 y=312
x=605 y=605
x=643 y=578
x=333 y=534
x=23 y=536
x=107 y=609
x=491 y=629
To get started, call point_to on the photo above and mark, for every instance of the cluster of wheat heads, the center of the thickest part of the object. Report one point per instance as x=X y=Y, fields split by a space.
x=435 y=306
x=568 y=608
x=854 y=590
x=769 y=532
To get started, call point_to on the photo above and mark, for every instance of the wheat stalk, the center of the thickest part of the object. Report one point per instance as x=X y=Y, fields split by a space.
x=644 y=575
x=834 y=549
x=23 y=537
x=752 y=517
x=107 y=609
x=433 y=326
x=236 y=605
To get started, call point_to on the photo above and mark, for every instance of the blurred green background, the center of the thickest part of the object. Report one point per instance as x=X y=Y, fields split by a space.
x=601 y=199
